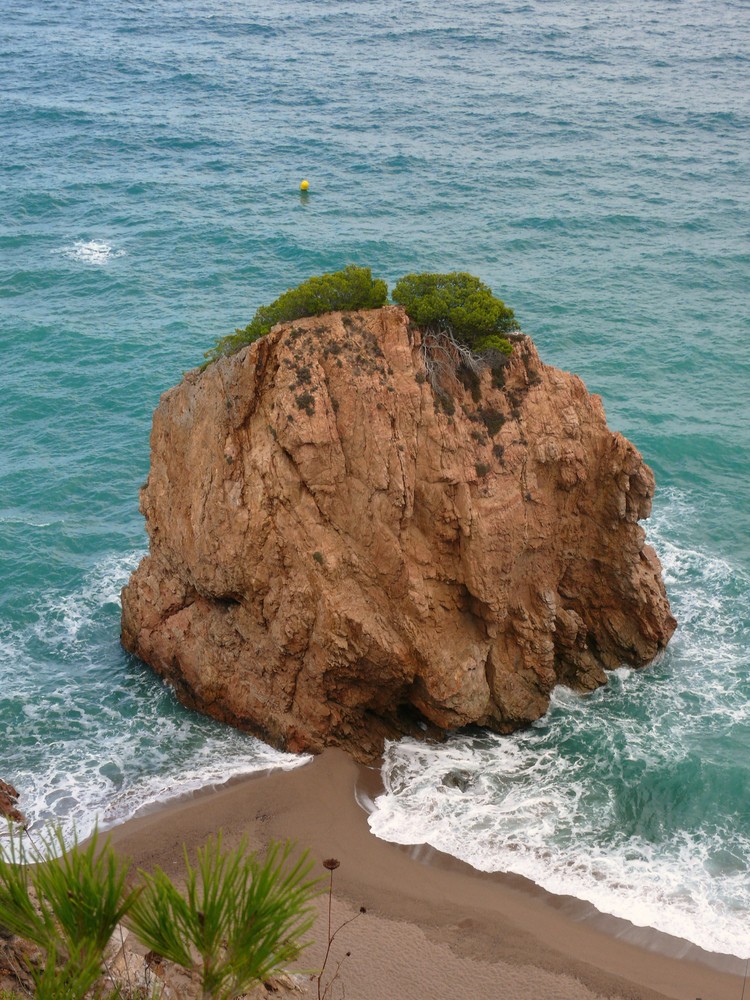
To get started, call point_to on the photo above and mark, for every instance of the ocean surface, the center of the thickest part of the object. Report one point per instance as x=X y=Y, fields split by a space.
x=588 y=161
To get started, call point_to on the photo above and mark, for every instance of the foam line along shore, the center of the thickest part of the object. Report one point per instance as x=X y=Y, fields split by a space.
x=451 y=927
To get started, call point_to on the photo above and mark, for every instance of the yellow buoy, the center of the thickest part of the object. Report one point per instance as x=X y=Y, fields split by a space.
x=304 y=185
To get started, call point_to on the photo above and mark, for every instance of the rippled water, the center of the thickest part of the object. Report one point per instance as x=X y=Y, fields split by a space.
x=590 y=163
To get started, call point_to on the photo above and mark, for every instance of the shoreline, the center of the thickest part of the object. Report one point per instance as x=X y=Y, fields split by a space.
x=370 y=784
x=492 y=927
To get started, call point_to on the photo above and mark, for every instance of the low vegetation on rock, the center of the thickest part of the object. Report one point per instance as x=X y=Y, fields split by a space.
x=67 y=908
x=340 y=291
x=463 y=323
x=459 y=304
x=237 y=920
x=464 y=329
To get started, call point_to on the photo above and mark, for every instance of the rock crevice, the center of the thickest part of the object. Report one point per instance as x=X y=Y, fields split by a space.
x=338 y=555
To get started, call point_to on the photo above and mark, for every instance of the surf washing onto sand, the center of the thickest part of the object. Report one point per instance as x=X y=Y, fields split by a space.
x=591 y=167
x=628 y=797
x=90 y=747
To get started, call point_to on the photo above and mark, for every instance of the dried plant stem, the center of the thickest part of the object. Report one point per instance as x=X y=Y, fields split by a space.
x=334 y=977
x=18 y=974
x=332 y=864
x=330 y=901
x=443 y=355
x=125 y=957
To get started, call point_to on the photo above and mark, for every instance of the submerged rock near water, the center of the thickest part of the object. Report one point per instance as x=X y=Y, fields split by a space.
x=339 y=555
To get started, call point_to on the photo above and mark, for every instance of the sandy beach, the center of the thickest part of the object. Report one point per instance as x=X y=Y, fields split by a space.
x=434 y=927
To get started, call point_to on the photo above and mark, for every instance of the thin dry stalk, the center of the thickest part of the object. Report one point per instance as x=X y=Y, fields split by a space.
x=19 y=974
x=323 y=992
x=125 y=958
x=443 y=355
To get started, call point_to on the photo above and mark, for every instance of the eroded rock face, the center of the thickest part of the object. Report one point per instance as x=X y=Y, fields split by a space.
x=334 y=558
x=8 y=804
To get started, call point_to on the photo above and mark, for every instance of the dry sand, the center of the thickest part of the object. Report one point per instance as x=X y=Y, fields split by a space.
x=434 y=927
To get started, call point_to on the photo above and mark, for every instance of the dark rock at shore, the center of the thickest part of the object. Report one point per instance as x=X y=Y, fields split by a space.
x=338 y=555
x=8 y=799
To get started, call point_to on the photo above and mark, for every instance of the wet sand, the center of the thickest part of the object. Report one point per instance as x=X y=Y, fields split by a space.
x=434 y=927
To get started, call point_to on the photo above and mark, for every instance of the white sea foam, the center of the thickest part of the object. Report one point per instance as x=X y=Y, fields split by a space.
x=95 y=740
x=96 y=253
x=625 y=797
x=64 y=617
x=520 y=814
x=95 y=789
x=25 y=522
x=210 y=771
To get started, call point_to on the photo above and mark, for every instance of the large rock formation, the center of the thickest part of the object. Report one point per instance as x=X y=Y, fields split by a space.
x=338 y=554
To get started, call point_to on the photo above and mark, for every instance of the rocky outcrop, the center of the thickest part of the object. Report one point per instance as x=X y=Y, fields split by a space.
x=338 y=554
x=132 y=970
x=8 y=807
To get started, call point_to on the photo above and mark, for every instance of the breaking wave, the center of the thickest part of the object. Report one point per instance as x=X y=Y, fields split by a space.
x=95 y=253
x=90 y=734
x=633 y=798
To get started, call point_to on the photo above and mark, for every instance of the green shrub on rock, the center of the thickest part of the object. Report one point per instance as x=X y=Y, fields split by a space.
x=493 y=342
x=464 y=328
x=68 y=906
x=237 y=920
x=460 y=304
x=352 y=288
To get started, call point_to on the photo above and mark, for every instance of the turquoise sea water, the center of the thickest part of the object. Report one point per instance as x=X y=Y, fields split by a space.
x=590 y=162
